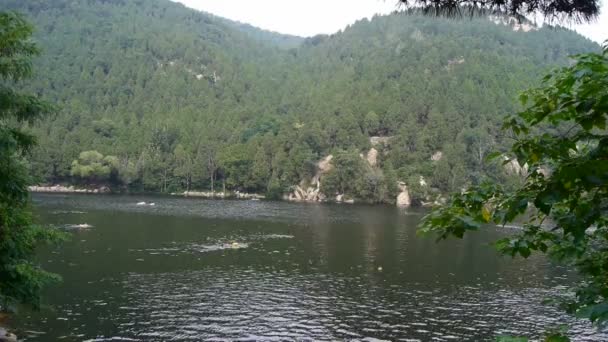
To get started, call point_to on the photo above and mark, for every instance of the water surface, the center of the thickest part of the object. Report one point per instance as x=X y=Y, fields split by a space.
x=190 y=269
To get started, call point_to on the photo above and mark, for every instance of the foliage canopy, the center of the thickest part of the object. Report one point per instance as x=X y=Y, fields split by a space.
x=21 y=280
x=563 y=204
x=177 y=113
x=553 y=10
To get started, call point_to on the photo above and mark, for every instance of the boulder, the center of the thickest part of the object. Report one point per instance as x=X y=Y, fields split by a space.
x=6 y=336
x=403 y=199
x=514 y=169
x=437 y=156
x=372 y=156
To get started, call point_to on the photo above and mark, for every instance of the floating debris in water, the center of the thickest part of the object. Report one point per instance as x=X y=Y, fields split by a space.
x=278 y=236
x=78 y=226
x=217 y=247
x=151 y=204
x=61 y=212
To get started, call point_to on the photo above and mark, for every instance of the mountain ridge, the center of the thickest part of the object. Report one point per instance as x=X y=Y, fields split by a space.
x=185 y=100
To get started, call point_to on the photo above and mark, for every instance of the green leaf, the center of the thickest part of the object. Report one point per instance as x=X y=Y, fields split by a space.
x=557 y=338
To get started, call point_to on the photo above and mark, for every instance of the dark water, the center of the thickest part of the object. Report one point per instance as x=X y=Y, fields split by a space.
x=254 y=270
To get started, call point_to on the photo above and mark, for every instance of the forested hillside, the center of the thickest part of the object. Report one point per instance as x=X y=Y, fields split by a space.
x=165 y=98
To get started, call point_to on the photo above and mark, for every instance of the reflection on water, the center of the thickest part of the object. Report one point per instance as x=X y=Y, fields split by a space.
x=254 y=270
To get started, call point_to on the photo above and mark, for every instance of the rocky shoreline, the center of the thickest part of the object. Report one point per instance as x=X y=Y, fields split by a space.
x=298 y=194
x=68 y=189
x=7 y=336
x=209 y=194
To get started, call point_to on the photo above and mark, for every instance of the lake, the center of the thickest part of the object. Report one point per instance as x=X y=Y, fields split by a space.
x=192 y=269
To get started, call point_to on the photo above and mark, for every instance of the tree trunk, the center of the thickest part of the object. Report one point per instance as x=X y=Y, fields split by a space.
x=212 y=182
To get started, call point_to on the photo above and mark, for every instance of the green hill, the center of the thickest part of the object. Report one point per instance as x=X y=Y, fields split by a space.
x=181 y=99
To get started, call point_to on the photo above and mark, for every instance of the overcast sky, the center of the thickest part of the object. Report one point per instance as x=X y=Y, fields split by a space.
x=311 y=17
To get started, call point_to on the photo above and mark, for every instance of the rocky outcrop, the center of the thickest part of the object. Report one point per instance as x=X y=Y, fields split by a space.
x=311 y=191
x=439 y=201
x=437 y=156
x=209 y=194
x=68 y=189
x=403 y=199
x=379 y=140
x=306 y=194
x=516 y=23
x=513 y=168
x=372 y=157
x=422 y=181
x=6 y=336
x=342 y=199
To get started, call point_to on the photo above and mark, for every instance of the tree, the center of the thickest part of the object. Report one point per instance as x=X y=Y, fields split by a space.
x=561 y=136
x=137 y=93
x=348 y=168
x=21 y=280
x=184 y=166
x=236 y=162
x=92 y=166
x=577 y=11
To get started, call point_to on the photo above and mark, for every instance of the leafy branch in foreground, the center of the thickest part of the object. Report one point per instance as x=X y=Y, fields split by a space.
x=563 y=202
x=21 y=280
x=552 y=10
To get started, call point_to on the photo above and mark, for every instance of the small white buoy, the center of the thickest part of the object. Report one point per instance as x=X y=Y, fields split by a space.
x=379 y=268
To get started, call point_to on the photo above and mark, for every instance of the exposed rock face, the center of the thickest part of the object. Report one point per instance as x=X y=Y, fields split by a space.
x=342 y=199
x=372 y=156
x=422 y=181
x=513 y=168
x=403 y=199
x=324 y=165
x=437 y=156
x=379 y=140
x=439 y=201
x=454 y=62
x=514 y=23
x=6 y=336
x=546 y=172
x=308 y=194
x=312 y=192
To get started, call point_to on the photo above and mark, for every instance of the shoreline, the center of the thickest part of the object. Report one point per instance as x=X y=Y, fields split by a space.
x=60 y=189
x=104 y=190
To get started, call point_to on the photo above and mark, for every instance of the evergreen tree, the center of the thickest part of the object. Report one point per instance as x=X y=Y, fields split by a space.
x=21 y=280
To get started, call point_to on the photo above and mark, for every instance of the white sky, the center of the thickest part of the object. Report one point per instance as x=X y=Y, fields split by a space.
x=311 y=17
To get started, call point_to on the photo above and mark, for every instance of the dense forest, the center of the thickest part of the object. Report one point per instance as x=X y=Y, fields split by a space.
x=154 y=96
